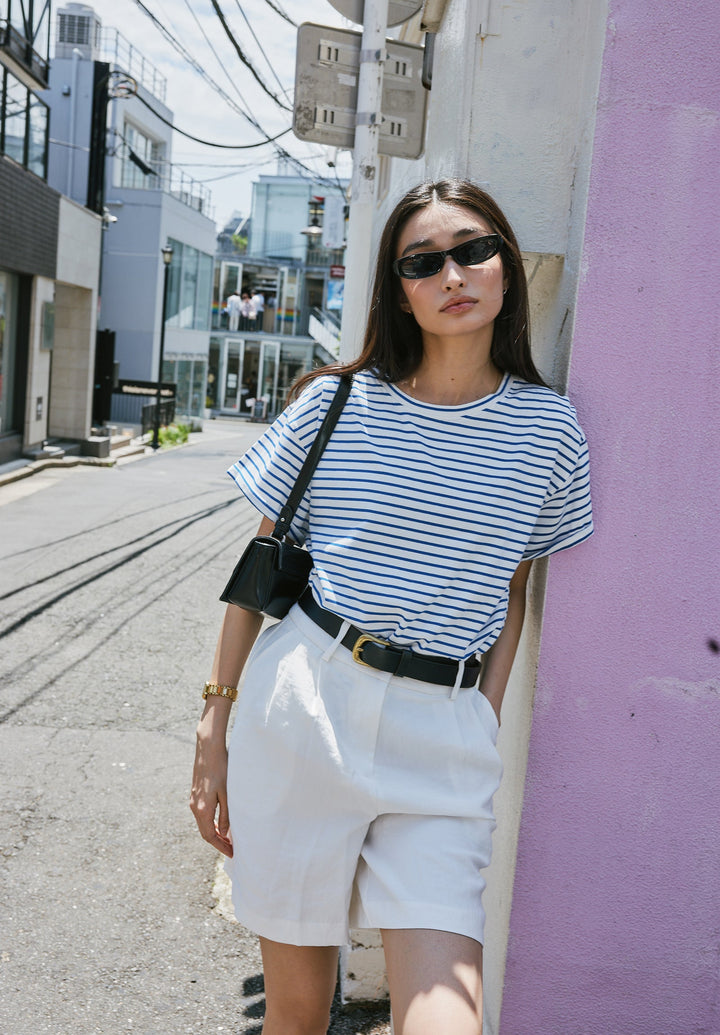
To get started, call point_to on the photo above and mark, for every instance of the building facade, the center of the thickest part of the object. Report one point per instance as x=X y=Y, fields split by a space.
x=49 y=258
x=253 y=362
x=111 y=151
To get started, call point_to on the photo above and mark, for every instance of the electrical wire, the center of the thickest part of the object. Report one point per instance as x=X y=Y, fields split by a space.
x=260 y=48
x=278 y=10
x=217 y=57
x=202 y=72
x=248 y=64
x=210 y=143
x=280 y=151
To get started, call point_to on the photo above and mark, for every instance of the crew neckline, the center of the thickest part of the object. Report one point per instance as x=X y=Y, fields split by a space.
x=455 y=408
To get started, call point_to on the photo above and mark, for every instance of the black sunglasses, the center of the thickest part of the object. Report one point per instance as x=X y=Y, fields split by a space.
x=427 y=264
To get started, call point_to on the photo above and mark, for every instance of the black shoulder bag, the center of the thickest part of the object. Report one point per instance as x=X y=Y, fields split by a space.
x=273 y=572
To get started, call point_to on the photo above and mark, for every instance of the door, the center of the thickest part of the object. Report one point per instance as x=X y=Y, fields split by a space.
x=268 y=379
x=231 y=375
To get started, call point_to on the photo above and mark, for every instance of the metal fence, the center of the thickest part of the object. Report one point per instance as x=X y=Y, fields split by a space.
x=133 y=402
x=167 y=415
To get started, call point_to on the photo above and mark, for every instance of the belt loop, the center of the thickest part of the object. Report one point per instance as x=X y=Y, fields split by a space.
x=333 y=646
x=458 y=680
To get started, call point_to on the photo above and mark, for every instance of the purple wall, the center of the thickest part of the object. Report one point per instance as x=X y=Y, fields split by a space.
x=615 y=925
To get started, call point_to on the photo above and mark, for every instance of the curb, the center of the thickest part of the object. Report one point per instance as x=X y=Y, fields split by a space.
x=42 y=465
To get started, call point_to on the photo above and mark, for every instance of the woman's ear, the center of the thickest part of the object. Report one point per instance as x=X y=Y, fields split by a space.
x=405 y=305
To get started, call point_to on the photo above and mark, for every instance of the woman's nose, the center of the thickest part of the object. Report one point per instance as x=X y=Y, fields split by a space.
x=452 y=274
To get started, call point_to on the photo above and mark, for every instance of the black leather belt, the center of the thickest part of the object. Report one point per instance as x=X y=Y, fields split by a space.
x=386 y=657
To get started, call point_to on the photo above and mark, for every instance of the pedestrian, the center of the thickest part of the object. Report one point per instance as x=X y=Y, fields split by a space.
x=258 y=300
x=355 y=796
x=233 y=306
x=248 y=312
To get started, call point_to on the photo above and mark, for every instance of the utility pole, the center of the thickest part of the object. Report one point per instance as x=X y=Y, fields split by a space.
x=364 y=178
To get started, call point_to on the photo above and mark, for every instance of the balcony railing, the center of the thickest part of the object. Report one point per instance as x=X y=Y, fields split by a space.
x=21 y=52
x=170 y=180
x=325 y=256
x=119 y=51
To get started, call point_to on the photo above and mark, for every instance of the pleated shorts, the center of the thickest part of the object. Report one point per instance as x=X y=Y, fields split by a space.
x=356 y=798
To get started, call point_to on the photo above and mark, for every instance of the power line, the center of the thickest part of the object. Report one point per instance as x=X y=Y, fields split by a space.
x=278 y=10
x=215 y=53
x=260 y=47
x=210 y=143
x=194 y=64
x=280 y=151
x=248 y=64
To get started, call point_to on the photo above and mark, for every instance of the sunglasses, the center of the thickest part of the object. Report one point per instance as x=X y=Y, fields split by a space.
x=427 y=264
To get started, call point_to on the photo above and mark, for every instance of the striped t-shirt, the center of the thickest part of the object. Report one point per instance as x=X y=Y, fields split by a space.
x=417 y=515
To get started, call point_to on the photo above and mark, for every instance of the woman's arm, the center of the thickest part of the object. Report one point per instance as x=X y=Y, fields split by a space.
x=498 y=661
x=208 y=799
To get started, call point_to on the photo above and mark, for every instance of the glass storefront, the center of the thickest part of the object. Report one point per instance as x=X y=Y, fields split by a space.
x=8 y=305
x=189 y=288
x=251 y=377
x=189 y=374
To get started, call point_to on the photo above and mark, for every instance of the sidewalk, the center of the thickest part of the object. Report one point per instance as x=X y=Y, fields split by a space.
x=24 y=467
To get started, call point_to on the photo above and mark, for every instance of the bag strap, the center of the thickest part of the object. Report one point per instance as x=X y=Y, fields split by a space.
x=311 y=461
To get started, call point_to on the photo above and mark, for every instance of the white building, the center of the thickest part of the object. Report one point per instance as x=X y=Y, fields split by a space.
x=111 y=151
x=301 y=281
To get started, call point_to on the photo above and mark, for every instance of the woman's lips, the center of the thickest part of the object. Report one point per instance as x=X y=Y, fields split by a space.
x=458 y=305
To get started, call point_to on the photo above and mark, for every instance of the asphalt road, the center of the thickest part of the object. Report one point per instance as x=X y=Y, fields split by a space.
x=113 y=911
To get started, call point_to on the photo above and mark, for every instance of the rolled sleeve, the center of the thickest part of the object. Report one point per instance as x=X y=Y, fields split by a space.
x=565 y=518
x=266 y=473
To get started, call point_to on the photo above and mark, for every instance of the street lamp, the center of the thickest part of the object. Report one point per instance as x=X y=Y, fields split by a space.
x=167 y=254
x=314 y=229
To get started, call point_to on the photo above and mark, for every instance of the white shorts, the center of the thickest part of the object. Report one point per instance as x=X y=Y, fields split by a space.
x=357 y=798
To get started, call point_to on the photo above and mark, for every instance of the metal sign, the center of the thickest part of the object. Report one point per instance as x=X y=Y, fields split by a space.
x=333 y=228
x=399 y=11
x=326 y=83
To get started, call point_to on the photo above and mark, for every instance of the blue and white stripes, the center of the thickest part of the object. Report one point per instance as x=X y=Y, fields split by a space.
x=418 y=515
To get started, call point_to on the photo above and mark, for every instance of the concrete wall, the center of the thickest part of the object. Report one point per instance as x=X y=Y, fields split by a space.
x=512 y=107
x=73 y=360
x=79 y=239
x=520 y=122
x=62 y=380
x=72 y=371
x=38 y=377
x=70 y=98
x=616 y=905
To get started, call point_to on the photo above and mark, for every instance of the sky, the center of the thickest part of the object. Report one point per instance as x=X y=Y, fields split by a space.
x=200 y=110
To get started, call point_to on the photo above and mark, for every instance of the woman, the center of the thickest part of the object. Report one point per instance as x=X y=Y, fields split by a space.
x=354 y=796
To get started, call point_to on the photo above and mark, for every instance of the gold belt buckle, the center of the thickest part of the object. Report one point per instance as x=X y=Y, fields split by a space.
x=357 y=647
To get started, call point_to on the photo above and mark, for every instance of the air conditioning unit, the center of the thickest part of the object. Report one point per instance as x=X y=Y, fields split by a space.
x=77 y=28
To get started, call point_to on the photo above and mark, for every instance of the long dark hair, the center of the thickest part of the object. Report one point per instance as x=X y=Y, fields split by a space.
x=393 y=344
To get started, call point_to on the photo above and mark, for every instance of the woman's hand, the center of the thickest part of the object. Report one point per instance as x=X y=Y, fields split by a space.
x=208 y=798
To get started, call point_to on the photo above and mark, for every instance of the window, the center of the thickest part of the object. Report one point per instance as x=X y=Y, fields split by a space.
x=37 y=137
x=141 y=159
x=189 y=374
x=23 y=124
x=15 y=118
x=189 y=288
